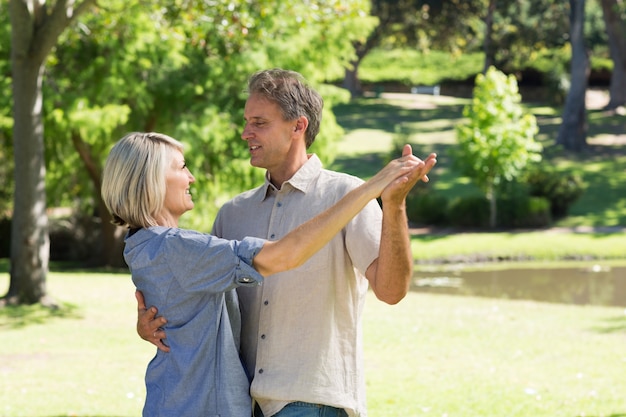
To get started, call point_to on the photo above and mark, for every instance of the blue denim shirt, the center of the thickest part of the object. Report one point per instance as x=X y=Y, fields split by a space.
x=187 y=276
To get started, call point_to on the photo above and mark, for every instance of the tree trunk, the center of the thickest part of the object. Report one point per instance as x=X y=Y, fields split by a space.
x=493 y=207
x=573 y=130
x=112 y=236
x=34 y=32
x=112 y=253
x=351 y=80
x=488 y=45
x=30 y=244
x=616 y=31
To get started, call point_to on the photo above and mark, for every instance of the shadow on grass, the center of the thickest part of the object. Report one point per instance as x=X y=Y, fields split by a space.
x=71 y=267
x=15 y=317
x=383 y=115
x=612 y=325
x=614 y=415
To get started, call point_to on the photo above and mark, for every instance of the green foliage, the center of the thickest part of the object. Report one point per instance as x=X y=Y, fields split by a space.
x=426 y=208
x=523 y=211
x=560 y=189
x=469 y=212
x=412 y=67
x=498 y=142
x=181 y=68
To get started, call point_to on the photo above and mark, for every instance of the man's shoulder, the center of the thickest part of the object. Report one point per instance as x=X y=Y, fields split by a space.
x=253 y=193
x=339 y=179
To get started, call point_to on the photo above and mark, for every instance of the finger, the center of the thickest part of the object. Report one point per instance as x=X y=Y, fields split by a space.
x=162 y=346
x=429 y=164
x=157 y=340
x=407 y=150
x=141 y=303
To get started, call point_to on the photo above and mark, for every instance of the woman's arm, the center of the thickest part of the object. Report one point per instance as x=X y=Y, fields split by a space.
x=301 y=243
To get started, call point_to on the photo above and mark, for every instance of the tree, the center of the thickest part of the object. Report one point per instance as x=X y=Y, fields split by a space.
x=573 y=129
x=178 y=67
x=35 y=30
x=425 y=24
x=498 y=142
x=488 y=42
x=127 y=67
x=614 y=14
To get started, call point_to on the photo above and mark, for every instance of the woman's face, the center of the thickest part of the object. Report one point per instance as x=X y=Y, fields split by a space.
x=177 y=181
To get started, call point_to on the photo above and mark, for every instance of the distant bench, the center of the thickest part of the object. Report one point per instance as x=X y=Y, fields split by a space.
x=425 y=89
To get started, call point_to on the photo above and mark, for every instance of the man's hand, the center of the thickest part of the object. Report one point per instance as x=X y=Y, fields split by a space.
x=149 y=327
x=397 y=191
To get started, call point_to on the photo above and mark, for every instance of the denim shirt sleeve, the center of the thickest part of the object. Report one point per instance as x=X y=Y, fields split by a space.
x=248 y=248
x=202 y=262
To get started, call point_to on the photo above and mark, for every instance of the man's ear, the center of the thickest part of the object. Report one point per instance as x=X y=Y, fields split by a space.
x=301 y=124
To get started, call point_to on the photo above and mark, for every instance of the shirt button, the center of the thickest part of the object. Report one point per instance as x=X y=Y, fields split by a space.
x=266 y=302
x=260 y=371
x=279 y=204
x=263 y=336
x=272 y=236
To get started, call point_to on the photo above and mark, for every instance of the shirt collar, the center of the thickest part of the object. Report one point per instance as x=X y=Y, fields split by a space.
x=301 y=180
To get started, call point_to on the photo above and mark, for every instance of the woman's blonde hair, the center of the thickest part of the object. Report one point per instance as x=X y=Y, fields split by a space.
x=133 y=179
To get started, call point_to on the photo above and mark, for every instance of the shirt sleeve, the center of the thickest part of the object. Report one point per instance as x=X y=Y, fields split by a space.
x=202 y=262
x=363 y=236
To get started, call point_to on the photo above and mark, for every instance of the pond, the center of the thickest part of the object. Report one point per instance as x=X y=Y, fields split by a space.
x=593 y=284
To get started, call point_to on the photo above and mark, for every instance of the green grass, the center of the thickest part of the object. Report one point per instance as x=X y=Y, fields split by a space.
x=456 y=356
x=84 y=359
x=430 y=355
x=533 y=245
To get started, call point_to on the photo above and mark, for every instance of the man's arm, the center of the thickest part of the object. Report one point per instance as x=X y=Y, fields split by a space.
x=149 y=327
x=390 y=274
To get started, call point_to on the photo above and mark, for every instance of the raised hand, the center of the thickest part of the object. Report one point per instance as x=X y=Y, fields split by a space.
x=397 y=191
x=398 y=170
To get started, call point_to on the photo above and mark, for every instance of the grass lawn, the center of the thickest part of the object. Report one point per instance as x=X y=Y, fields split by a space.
x=430 y=355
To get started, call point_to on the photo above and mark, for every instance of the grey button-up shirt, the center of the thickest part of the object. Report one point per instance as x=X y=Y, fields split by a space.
x=301 y=332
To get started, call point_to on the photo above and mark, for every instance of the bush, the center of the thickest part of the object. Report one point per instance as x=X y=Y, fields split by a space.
x=562 y=190
x=426 y=208
x=75 y=238
x=539 y=212
x=524 y=211
x=472 y=212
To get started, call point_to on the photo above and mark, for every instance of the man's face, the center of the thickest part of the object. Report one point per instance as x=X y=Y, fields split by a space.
x=269 y=137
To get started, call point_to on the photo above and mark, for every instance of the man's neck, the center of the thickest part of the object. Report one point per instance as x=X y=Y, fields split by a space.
x=280 y=176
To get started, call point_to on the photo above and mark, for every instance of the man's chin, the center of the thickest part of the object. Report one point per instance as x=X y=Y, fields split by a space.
x=256 y=163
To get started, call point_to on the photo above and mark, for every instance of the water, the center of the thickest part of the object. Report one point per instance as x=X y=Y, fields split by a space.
x=593 y=284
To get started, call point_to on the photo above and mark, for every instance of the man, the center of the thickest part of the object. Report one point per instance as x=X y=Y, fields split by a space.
x=301 y=336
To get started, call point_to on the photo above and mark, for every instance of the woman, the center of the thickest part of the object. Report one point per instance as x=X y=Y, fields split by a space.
x=190 y=276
